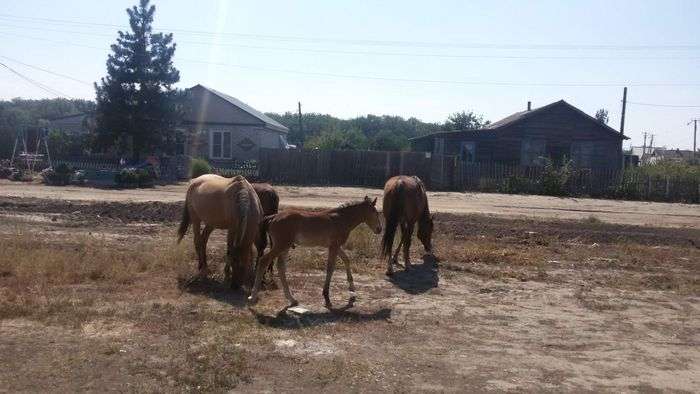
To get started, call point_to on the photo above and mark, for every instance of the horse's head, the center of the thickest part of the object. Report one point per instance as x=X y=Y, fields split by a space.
x=425 y=232
x=371 y=218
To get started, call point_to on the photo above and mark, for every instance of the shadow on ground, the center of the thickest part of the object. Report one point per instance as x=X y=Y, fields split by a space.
x=290 y=320
x=419 y=278
x=215 y=288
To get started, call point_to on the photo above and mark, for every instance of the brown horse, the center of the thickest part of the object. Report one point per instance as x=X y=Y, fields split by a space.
x=224 y=203
x=405 y=203
x=329 y=228
x=270 y=202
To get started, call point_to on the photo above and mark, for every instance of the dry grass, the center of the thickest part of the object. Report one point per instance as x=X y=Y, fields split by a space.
x=27 y=261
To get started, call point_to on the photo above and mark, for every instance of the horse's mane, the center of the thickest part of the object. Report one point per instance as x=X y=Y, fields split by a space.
x=349 y=204
x=243 y=207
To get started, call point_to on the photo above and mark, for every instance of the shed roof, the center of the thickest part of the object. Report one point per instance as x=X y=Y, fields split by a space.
x=522 y=115
x=268 y=121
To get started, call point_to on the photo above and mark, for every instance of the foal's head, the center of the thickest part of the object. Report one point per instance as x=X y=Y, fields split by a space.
x=425 y=232
x=371 y=216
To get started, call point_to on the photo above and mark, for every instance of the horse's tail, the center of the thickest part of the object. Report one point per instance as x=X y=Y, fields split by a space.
x=395 y=197
x=243 y=208
x=275 y=201
x=264 y=227
x=184 y=223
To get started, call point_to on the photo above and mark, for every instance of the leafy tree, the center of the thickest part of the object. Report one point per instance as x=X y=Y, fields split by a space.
x=602 y=115
x=335 y=139
x=465 y=121
x=136 y=102
x=389 y=141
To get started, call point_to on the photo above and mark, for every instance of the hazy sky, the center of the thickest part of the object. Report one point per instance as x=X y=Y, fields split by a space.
x=408 y=58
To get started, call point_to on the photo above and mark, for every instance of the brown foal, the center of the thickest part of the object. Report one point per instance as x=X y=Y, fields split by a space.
x=328 y=228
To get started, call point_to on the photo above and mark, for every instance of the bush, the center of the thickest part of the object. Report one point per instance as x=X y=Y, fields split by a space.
x=516 y=184
x=127 y=177
x=57 y=176
x=554 y=178
x=199 y=167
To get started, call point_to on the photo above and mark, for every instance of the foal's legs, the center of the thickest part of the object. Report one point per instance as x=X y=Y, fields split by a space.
x=407 y=234
x=282 y=271
x=330 y=267
x=263 y=263
x=346 y=260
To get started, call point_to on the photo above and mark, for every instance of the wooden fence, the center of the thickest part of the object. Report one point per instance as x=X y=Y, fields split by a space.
x=373 y=168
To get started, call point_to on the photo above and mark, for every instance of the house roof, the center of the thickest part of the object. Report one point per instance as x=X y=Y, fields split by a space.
x=522 y=115
x=268 y=121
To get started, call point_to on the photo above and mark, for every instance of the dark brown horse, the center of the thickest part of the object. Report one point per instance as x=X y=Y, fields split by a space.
x=405 y=203
x=270 y=202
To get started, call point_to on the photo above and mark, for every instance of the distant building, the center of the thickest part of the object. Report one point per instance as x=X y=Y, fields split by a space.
x=74 y=124
x=222 y=128
x=557 y=131
x=669 y=155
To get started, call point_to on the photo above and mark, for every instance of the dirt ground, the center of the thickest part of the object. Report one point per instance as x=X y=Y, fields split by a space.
x=505 y=205
x=95 y=296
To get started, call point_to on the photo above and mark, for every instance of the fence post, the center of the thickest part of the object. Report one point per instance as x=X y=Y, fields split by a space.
x=667 y=188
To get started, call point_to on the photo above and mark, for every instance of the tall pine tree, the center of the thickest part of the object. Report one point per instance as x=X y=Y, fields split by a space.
x=137 y=106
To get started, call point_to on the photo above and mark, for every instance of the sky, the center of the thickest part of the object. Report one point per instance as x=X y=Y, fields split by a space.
x=409 y=58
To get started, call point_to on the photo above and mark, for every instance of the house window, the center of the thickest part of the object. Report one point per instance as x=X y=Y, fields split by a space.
x=467 y=151
x=220 y=145
x=532 y=152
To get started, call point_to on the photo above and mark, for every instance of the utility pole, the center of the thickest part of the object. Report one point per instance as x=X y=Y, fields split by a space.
x=301 y=130
x=624 y=107
x=622 y=127
x=695 y=137
x=651 y=144
x=644 y=147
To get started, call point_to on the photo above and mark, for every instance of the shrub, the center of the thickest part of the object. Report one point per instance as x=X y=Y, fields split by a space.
x=554 y=178
x=199 y=167
x=127 y=177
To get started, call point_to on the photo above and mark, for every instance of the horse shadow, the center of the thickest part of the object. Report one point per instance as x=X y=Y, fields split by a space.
x=215 y=288
x=287 y=320
x=419 y=279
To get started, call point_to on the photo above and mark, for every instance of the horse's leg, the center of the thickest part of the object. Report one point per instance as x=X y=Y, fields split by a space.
x=395 y=257
x=232 y=268
x=351 y=284
x=260 y=271
x=282 y=272
x=330 y=267
x=206 y=232
x=408 y=234
x=197 y=232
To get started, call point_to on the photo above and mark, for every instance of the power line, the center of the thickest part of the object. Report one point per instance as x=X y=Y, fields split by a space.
x=376 y=42
x=393 y=79
x=35 y=83
x=663 y=105
x=379 y=53
x=46 y=71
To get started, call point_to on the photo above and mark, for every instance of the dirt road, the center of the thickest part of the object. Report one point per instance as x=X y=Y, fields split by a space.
x=611 y=211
